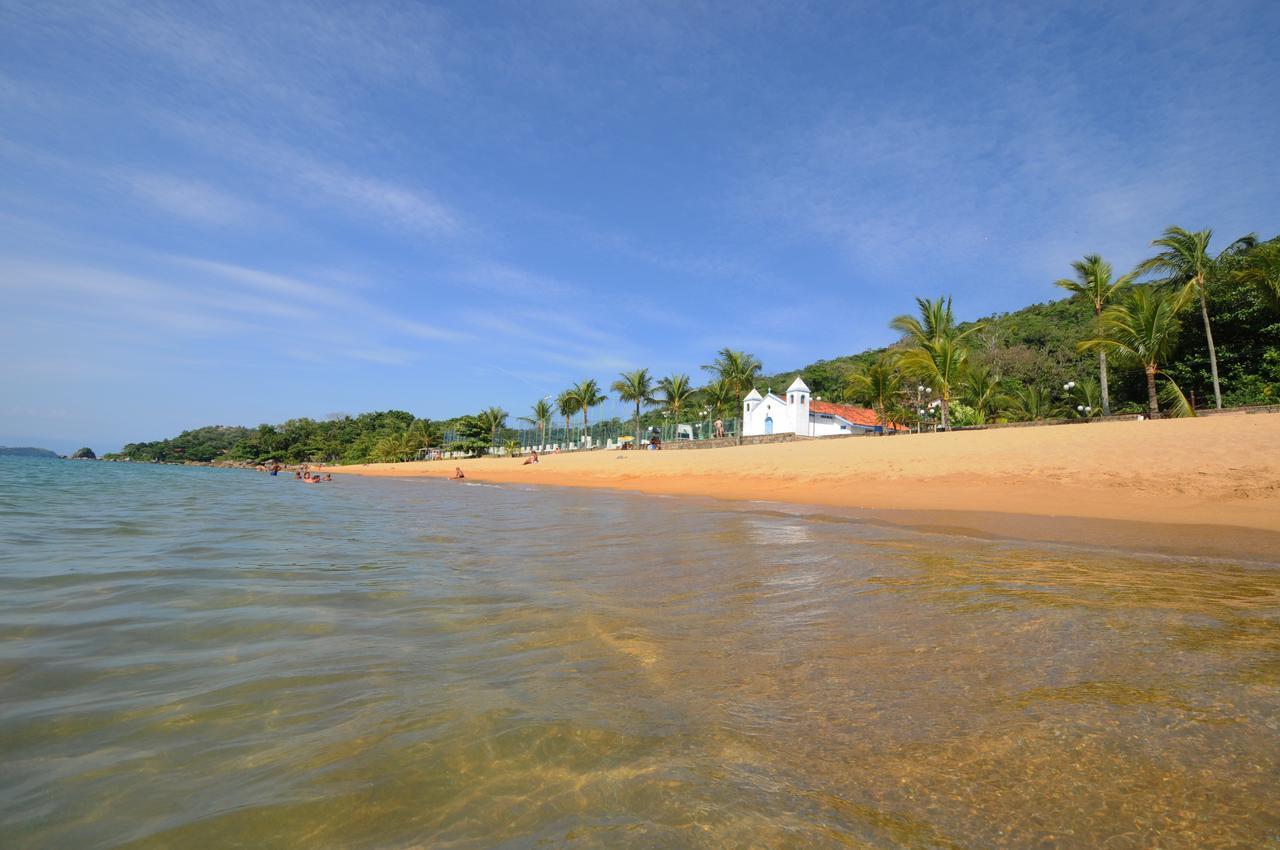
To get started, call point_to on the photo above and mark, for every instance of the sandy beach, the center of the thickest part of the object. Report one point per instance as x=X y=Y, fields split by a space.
x=1210 y=485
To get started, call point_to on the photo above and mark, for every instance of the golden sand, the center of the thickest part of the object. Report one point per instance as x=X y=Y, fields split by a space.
x=1215 y=478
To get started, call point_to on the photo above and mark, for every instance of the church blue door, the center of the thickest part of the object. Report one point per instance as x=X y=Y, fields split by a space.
x=768 y=424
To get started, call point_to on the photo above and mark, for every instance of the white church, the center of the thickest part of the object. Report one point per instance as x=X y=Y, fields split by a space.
x=799 y=413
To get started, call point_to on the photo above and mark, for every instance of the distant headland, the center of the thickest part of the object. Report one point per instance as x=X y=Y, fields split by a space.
x=26 y=451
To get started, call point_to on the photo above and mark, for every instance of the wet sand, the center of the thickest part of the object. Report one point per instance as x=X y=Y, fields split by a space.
x=1205 y=486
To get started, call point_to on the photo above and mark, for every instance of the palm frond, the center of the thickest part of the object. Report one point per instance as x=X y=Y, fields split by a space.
x=1173 y=398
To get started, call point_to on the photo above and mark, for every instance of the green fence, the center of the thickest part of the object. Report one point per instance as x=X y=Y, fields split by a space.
x=603 y=435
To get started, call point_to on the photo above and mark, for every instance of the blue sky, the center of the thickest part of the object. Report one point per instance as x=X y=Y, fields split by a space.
x=222 y=213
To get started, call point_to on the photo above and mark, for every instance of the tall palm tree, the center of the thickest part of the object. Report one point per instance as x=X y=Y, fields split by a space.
x=936 y=350
x=494 y=419
x=738 y=369
x=1260 y=268
x=567 y=403
x=1142 y=331
x=419 y=435
x=1093 y=282
x=541 y=416
x=880 y=385
x=676 y=392
x=588 y=395
x=1186 y=262
x=720 y=396
x=635 y=387
x=980 y=389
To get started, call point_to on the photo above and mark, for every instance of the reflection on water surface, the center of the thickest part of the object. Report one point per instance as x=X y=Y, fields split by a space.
x=201 y=658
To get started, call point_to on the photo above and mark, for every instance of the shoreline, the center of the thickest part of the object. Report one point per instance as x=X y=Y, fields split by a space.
x=1205 y=486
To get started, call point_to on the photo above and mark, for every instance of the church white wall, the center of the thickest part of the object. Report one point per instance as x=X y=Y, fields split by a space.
x=783 y=418
x=787 y=418
x=828 y=426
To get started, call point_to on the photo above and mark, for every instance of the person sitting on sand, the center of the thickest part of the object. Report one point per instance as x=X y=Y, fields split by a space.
x=457 y=473
x=533 y=458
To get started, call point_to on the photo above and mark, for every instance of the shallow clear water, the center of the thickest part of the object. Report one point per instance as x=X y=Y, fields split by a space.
x=212 y=658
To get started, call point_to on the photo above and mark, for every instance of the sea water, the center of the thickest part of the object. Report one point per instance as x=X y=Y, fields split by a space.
x=196 y=657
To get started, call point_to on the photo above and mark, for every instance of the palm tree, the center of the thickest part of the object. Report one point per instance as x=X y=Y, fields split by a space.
x=1084 y=402
x=1260 y=268
x=1142 y=332
x=494 y=419
x=936 y=349
x=541 y=416
x=636 y=387
x=567 y=403
x=880 y=385
x=738 y=369
x=418 y=436
x=676 y=393
x=1093 y=282
x=387 y=449
x=1029 y=404
x=1186 y=262
x=588 y=395
x=980 y=390
x=719 y=396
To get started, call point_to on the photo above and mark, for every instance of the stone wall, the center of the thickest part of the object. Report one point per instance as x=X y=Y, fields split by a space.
x=726 y=442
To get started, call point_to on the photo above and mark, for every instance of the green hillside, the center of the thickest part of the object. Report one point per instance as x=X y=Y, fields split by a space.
x=1036 y=347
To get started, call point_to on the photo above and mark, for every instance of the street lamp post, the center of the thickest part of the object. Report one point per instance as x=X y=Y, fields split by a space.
x=921 y=392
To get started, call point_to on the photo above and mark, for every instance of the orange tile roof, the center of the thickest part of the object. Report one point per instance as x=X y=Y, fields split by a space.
x=864 y=416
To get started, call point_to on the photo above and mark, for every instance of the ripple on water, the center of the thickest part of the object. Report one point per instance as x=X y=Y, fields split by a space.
x=196 y=657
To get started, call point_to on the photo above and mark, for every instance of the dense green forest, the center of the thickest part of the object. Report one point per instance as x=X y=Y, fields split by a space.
x=1043 y=361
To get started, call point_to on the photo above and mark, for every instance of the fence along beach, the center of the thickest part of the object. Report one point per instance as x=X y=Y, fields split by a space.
x=1209 y=485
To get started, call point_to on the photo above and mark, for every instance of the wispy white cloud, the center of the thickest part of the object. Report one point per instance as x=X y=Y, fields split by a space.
x=509 y=280
x=322 y=299
x=406 y=209
x=1006 y=177
x=192 y=199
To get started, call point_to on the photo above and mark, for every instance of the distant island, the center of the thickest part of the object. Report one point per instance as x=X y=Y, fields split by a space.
x=25 y=451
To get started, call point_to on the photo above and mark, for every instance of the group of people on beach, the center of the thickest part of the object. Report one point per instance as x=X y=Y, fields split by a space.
x=459 y=475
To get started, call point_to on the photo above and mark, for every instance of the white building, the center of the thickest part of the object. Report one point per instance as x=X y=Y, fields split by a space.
x=799 y=413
